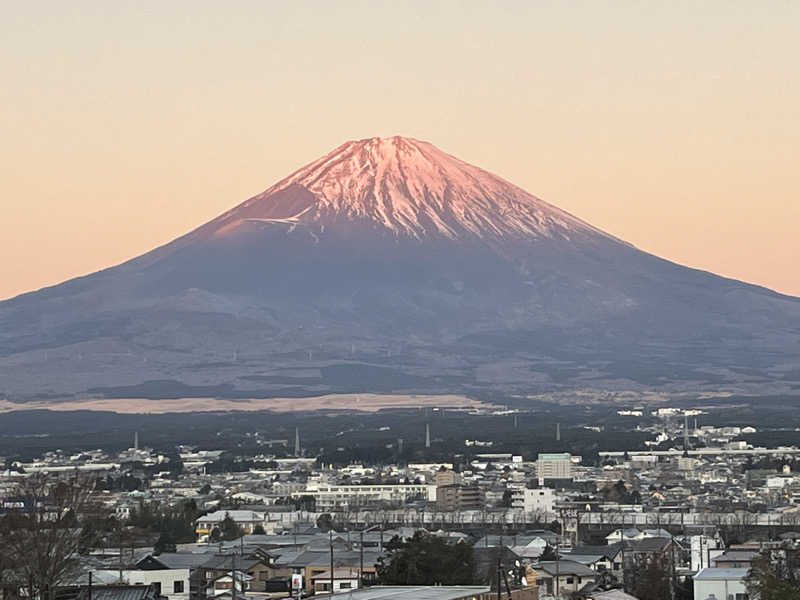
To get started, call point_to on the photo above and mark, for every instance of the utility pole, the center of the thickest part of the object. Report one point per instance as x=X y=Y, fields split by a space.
x=233 y=576
x=361 y=551
x=120 y=552
x=558 y=561
x=330 y=534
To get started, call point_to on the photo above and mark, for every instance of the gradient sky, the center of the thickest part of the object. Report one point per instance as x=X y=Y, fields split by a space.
x=673 y=125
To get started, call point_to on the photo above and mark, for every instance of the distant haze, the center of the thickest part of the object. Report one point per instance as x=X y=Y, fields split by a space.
x=674 y=126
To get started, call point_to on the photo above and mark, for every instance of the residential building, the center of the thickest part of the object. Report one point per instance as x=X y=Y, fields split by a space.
x=446 y=477
x=173 y=575
x=722 y=584
x=539 y=500
x=734 y=559
x=562 y=577
x=458 y=497
x=344 y=579
x=247 y=520
x=554 y=466
x=606 y=558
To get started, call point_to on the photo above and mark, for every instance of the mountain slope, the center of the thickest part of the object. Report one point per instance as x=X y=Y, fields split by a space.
x=389 y=254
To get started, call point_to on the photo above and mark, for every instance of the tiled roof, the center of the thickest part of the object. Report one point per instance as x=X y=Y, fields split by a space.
x=564 y=567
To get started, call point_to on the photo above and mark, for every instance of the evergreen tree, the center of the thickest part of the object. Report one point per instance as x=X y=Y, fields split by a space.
x=165 y=543
x=426 y=559
x=775 y=575
x=229 y=530
x=652 y=579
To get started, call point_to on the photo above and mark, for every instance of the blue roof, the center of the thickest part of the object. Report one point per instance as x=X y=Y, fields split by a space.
x=720 y=574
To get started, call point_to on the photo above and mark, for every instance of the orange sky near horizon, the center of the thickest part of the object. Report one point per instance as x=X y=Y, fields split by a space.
x=674 y=126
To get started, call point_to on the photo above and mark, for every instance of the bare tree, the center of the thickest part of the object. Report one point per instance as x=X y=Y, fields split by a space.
x=40 y=539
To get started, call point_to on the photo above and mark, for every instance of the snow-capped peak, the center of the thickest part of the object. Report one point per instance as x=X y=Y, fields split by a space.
x=411 y=188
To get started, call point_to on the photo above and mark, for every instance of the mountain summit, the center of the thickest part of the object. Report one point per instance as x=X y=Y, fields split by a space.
x=389 y=265
x=409 y=188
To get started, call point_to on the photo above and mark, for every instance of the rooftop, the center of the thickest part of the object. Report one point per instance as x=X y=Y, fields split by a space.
x=415 y=593
x=717 y=574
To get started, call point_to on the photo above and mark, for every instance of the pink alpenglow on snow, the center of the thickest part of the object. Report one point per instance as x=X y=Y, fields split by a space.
x=410 y=188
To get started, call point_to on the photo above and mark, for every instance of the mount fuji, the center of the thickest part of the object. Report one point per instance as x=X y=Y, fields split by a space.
x=389 y=265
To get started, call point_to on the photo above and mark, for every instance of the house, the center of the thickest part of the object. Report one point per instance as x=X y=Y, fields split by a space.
x=720 y=584
x=559 y=577
x=225 y=584
x=256 y=568
x=184 y=575
x=602 y=559
x=173 y=574
x=314 y=560
x=344 y=579
x=649 y=545
x=247 y=520
x=632 y=533
x=734 y=559
x=536 y=537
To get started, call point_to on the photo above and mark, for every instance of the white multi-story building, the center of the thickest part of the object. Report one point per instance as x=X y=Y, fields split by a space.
x=703 y=549
x=539 y=500
x=554 y=466
x=349 y=496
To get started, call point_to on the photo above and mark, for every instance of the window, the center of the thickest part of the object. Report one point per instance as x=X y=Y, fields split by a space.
x=157 y=587
x=177 y=587
x=569 y=579
x=741 y=597
x=345 y=585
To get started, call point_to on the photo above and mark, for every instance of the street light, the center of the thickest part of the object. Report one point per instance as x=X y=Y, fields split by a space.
x=361 y=551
